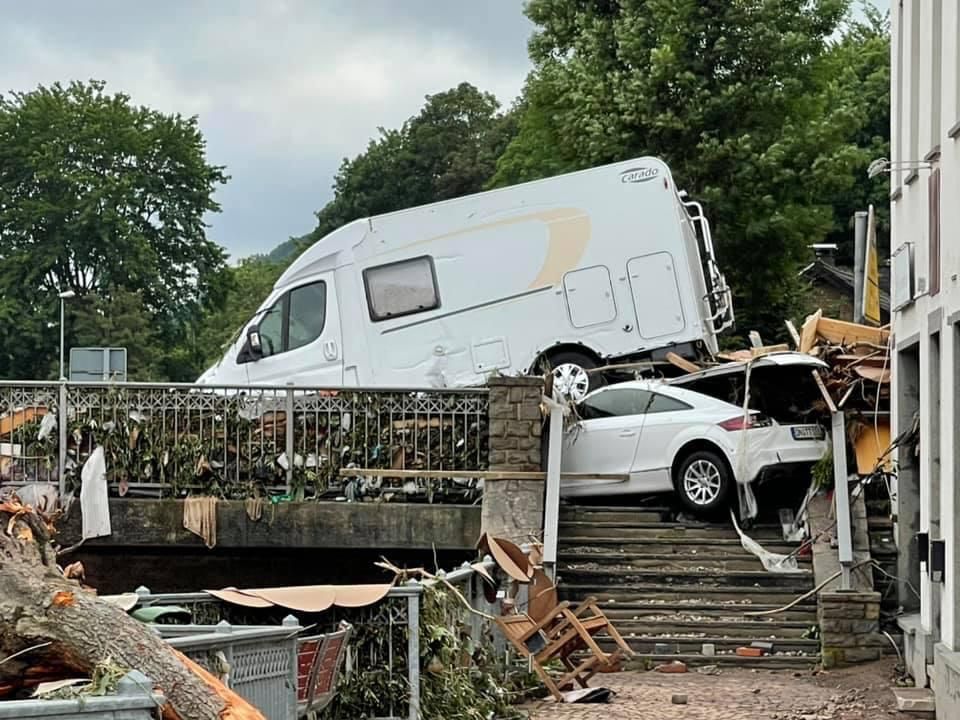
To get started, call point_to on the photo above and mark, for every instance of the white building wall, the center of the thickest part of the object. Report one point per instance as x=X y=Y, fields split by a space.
x=915 y=137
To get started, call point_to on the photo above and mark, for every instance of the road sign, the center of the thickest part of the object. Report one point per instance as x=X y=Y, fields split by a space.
x=98 y=364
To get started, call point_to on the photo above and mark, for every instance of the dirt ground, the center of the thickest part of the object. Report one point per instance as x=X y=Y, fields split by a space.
x=859 y=693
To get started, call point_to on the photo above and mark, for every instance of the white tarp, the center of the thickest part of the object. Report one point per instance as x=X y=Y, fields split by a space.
x=94 y=502
x=772 y=562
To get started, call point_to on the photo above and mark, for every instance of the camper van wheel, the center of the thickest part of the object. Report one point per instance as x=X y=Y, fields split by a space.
x=572 y=378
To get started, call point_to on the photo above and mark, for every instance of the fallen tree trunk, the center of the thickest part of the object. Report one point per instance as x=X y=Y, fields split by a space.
x=51 y=627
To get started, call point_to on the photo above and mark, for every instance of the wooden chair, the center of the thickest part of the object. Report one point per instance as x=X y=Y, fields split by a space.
x=319 y=658
x=530 y=639
x=544 y=606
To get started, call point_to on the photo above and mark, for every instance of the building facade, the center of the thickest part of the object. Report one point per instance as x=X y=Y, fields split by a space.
x=925 y=299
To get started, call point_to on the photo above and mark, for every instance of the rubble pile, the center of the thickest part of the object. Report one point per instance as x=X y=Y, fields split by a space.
x=856 y=382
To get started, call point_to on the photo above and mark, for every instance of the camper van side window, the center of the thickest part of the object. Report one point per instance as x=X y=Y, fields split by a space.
x=401 y=288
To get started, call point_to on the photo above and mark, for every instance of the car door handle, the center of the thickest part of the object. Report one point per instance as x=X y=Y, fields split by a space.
x=330 y=351
x=628 y=433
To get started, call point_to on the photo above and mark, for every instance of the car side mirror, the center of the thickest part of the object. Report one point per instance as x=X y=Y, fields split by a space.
x=254 y=344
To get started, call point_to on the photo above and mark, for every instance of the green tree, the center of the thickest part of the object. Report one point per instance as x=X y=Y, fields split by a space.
x=450 y=148
x=104 y=198
x=248 y=285
x=860 y=65
x=741 y=99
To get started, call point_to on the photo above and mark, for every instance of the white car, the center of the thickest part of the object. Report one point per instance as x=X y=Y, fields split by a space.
x=668 y=438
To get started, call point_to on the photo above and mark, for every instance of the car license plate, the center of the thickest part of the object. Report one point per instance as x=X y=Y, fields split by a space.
x=807 y=432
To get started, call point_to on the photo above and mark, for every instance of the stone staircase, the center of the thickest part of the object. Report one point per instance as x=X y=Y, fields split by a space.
x=672 y=587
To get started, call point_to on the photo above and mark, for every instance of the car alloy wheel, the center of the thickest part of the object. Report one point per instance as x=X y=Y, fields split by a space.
x=702 y=482
x=570 y=381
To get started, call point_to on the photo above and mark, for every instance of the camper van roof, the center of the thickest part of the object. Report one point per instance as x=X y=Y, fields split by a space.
x=320 y=255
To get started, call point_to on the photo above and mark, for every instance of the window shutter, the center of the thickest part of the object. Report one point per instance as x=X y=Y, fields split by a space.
x=933 y=195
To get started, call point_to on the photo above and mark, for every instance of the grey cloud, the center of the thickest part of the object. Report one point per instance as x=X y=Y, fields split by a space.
x=284 y=90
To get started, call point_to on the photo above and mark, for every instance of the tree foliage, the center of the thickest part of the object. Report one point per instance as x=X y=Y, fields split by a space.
x=103 y=198
x=450 y=148
x=756 y=108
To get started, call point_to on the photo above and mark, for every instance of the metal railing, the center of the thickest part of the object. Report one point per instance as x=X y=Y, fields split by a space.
x=405 y=599
x=236 y=441
x=134 y=700
x=259 y=663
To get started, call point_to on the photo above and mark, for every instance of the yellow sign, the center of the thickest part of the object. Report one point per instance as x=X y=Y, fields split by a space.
x=871 y=279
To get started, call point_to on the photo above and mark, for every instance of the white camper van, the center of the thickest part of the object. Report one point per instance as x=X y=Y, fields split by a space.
x=577 y=271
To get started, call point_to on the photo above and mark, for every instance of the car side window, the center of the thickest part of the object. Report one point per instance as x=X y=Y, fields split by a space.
x=308 y=314
x=296 y=319
x=615 y=402
x=271 y=328
x=662 y=403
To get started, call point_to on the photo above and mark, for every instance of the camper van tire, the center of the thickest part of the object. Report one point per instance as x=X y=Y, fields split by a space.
x=572 y=378
x=703 y=481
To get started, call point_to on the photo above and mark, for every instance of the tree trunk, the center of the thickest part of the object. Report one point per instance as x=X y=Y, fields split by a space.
x=39 y=606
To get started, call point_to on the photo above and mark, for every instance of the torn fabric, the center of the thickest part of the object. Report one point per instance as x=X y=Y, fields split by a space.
x=772 y=562
x=306 y=598
x=200 y=518
x=94 y=501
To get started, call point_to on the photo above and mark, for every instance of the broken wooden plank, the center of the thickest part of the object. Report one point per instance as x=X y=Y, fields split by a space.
x=841 y=332
x=735 y=356
x=767 y=349
x=682 y=363
x=792 y=329
x=808 y=334
x=823 y=391
x=877 y=375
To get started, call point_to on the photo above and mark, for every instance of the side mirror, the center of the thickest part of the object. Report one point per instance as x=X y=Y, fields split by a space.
x=253 y=343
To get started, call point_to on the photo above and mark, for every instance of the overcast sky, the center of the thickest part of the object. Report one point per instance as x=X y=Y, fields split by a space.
x=284 y=89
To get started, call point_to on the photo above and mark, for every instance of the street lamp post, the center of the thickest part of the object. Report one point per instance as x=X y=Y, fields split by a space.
x=64 y=296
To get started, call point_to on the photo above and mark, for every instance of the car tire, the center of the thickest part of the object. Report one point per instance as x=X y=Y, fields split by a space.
x=703 y=482
x=571 y=374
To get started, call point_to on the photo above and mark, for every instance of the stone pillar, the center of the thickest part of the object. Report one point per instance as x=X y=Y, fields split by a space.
x=849 y=627
x=513 y=507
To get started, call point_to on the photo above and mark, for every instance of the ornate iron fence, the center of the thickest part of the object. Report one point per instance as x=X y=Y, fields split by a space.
x=242 y=441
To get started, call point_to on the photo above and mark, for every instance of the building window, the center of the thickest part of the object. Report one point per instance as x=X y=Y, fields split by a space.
x=914 y=149
x=936 y=70
x=933 y=253
x=296 y=319
x=401 y=288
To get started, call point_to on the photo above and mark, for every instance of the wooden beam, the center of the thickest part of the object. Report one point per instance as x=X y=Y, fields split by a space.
x=808 y=333
x=823 y=391
x=682 y=363
x=840 y=332
x=792 y=329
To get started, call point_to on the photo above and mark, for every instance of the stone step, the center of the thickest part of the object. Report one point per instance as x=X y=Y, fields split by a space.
x=681 y=645
x=641 y=592
x=703 y=581
x=647 y=661
x=696 y=626
x=801 y=615
x=615 y=515
x=669 y=544
x=664 y=530
x=698 y=558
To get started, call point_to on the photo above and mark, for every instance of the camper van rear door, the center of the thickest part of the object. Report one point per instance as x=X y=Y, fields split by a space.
x=656 y=295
